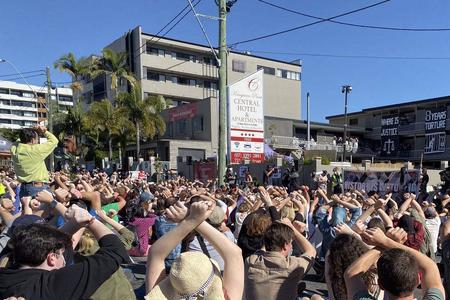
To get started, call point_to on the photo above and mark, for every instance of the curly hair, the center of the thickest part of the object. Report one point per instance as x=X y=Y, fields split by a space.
x=344 y=250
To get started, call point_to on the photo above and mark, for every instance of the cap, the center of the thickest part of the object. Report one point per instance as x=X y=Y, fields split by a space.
x=146 y=196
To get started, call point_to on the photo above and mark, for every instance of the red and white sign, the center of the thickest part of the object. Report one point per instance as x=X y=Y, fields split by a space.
x=185 y=111
x=246 y=119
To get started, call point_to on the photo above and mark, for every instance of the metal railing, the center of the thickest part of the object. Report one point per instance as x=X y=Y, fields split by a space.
x=284 y=142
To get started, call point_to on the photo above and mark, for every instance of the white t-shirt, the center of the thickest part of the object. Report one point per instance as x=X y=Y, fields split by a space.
x=433 y=226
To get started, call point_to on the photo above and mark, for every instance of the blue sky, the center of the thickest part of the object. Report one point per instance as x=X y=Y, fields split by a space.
x=35 y=33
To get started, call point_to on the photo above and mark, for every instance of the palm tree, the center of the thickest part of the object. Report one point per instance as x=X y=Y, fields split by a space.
x=145 y=113
x=70 y=123
x=104 y=117
x=115 y=65
x=76 y=68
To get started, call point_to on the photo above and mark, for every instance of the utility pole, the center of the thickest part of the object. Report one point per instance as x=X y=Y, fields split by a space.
x=345 y=90
x=308 y=124
x=222 y=90
x=49 y=114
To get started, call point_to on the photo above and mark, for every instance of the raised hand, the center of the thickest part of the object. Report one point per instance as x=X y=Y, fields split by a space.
x=343 y=229
x=397 y=234
x=265 y=197
x=177 y=212
x=44 y=197
x=78 y=215
x=200 y=211
x=375 y=237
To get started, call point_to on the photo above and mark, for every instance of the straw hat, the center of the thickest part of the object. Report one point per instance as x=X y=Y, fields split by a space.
x=193 y=276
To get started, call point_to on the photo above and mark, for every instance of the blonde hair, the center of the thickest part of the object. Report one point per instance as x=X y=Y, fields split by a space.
x=87 y=241
x=288 y=212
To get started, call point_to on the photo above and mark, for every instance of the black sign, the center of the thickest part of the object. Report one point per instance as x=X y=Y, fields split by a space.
x=435 y=123
x=389 y=135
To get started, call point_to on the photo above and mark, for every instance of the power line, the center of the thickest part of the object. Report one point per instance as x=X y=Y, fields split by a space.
x=348 y=56
x=29 y=76
x=353 y=24
x=307 y=25
x=165 y=26
x=149 y=42
x=15 y=74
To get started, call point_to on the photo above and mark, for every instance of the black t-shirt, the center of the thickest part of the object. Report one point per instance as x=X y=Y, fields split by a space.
x=78 y=281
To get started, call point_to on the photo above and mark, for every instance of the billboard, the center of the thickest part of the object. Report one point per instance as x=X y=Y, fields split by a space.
x=435 y=123
x=381 y=181
x=389 y=135
x=246 y=119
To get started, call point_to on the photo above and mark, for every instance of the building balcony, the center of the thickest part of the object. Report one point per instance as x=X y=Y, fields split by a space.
x=168 y=64
x=177 y=91
x=283 y=142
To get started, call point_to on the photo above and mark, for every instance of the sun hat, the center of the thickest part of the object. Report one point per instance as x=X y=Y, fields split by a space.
x=193 y=276
x=217 y=216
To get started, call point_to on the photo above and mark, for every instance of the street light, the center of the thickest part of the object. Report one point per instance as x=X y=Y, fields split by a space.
x=345 y=90
x=2 y=60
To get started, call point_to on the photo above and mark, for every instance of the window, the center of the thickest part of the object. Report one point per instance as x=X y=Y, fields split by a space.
x=17 y=122
x=5 y=102
x=192 y=82
x=197 y=124
x=17 y=113
x=288 y=74
x=267 y=70
x=238 y=66
x=16 y=92
x=29 y=114
x=4 y=121
x=353 y=121
x=151 y=50
x=27 y=95
x=184 y=81
x=185 y=56
x=65 y=98
x=152 y=76
x=4 y=91
x=5 y=111
x=29 y=123
x=23 y=104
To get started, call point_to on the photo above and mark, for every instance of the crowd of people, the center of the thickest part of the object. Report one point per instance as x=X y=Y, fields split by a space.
x=73 y=235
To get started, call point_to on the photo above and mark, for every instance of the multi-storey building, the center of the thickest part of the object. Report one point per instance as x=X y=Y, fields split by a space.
x=412 y=131
x=186 y=73
x=24 y=106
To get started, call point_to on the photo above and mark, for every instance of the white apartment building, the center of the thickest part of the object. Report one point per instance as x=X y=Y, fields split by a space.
x=19 y=106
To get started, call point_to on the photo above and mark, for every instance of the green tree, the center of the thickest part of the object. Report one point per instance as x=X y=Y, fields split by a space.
x=104 y=117
x=115 y=65
x=76 y=68
x=70 y=123
x=145 y=113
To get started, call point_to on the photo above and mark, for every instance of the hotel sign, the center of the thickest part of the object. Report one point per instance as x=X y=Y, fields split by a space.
x=246 y=119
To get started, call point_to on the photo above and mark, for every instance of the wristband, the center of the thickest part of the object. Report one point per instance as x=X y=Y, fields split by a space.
x=53 y=204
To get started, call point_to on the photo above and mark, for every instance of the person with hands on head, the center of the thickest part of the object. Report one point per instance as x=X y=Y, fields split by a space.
x=398 y=268
x=28 y=158
x=274 y=274
x=40 y=271
x=193 y=274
